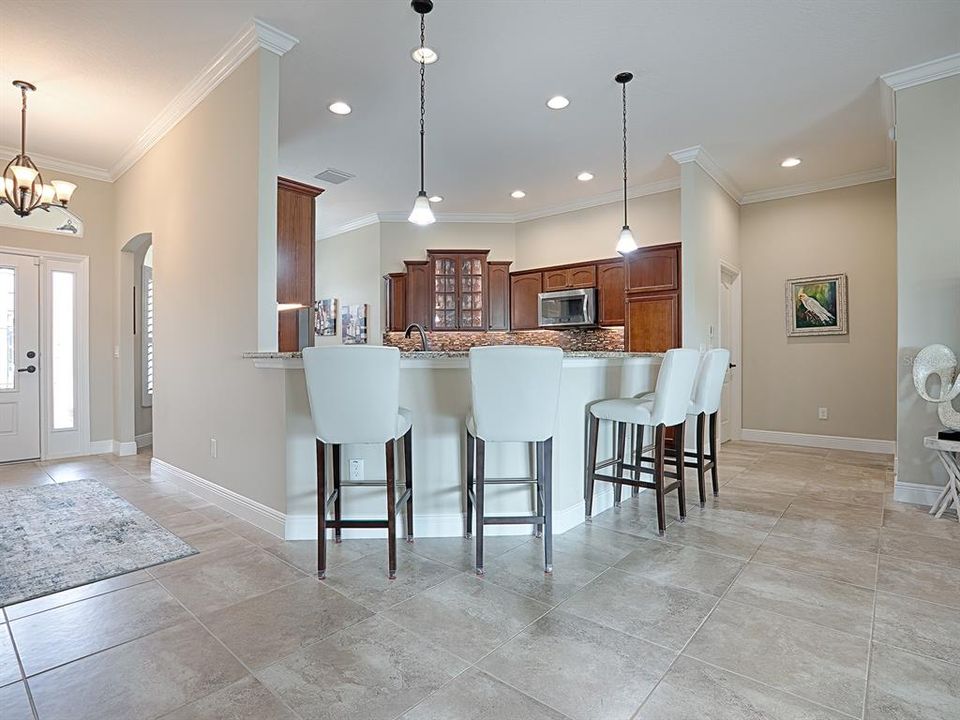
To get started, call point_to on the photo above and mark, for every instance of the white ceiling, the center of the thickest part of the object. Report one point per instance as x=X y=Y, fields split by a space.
x=751 y=81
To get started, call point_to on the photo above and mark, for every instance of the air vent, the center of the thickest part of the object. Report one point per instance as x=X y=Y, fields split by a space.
x=334 y=177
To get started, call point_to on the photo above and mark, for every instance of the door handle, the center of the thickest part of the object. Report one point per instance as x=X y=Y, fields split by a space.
x=732 y=366
x=28 y=369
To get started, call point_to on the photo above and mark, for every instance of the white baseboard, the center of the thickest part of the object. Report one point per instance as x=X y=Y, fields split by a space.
x=916 y=493
x=832 y=442
x=99 y=447
x=144 y=440
x=265 y=518
x=124 y=448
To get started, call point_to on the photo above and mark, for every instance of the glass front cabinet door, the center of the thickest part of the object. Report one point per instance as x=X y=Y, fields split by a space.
x=459 y=290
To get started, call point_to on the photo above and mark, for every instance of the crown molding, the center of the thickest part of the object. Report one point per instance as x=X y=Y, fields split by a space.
x=371 y=219
x=256 y=34
x=923 y=73
x=861 y=178
x=45 y=162
x=453 y=217
x=697 y=154
x=635 y=191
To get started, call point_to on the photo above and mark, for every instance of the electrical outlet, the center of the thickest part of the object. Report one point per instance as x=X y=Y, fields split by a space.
x=822 y=413
x=356 y=470
x=213 y=447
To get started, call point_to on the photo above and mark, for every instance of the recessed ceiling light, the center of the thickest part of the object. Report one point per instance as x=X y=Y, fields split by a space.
x=585 y=177
x=340 y=108
x=518 y=194
x=557 y=102
x=427 y=55
x=436 y=198
x=790 y=162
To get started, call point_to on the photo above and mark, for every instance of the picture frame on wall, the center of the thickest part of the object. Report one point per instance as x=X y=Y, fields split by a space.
x=326 y=322
x=353 y=324
x=816 y=305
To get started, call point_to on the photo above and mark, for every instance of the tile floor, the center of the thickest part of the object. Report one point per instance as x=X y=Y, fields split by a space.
x=802 y=592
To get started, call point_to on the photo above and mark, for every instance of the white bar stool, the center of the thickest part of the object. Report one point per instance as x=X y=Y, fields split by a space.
x=354 y=397
x=667 y=408
x=515 y=390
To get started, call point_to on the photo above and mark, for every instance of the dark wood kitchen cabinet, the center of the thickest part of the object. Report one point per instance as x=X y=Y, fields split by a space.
x=569 y=277
x=611 y=287
x=417 y=293
x=653 y=299
x=459 y=289
x=296 y=254
x=498 y=294
x=525 y=288
x=395 y=302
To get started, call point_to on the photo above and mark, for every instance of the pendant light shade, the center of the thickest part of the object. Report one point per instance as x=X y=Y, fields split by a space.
x=626 y=242
x=422 y=213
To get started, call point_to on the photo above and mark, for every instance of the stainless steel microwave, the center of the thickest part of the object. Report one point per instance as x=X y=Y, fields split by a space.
x=567 y=308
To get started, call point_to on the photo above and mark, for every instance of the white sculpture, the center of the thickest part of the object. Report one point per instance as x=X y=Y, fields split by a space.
x=940 y=361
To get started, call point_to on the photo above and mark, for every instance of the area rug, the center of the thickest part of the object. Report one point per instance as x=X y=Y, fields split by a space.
x=57 y=537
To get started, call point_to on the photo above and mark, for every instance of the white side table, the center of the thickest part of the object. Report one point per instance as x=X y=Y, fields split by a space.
x=949 y=453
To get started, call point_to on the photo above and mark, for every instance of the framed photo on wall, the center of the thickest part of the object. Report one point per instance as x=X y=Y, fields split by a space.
x=327 y=317
x=353 y=324
x=817 y=305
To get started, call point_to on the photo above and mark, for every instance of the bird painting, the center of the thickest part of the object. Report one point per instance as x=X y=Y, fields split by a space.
x=817 y=305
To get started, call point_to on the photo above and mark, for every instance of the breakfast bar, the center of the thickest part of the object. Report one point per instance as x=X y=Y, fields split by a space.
x=435 y=387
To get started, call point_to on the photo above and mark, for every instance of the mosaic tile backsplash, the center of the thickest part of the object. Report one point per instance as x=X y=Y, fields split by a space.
x=573 y=340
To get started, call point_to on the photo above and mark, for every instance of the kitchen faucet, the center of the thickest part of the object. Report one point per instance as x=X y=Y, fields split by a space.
x=423 y=335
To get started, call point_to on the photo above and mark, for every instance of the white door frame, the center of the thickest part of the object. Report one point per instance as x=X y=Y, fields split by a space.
x=80 y=264
x=736 y=354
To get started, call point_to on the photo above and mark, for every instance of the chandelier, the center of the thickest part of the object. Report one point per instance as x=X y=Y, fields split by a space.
x=23 y=187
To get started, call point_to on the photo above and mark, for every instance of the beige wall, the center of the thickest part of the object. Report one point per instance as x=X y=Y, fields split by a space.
x=93 y=203
x=928 y=257
x=401 y=241
x=198 y=191
x=348 y=269
x=785 y=380
x=591 y=234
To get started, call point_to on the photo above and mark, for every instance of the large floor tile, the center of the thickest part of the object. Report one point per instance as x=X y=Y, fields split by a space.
x=817 y=663
x=474 y=695
x=302 y=554
x=144 y=678
x=461 y=553
x=216 y=545
x=918 y=626
x=921 y=548
x=635 y=519
x=211 y=586
x=82 y=592
x=682 y=566
x=597 y=544
x=521 y=570
x=246 y=699
x=909 y=687
x=826 y=602
x=840 y=513
x=822 y=559
x=365 y=580
x=467 y=616
x=9 y=669
x=692 y=689
x=723 y=538
x=747 y=508
x=662 y=614
x=856 y=537
x=72 y=631
x=792 y=484
x=15 y=703
x=371 y=671
x=917 y=519
x=839 y=492
x=265 y=628
x=584 y=670
x=934 y=583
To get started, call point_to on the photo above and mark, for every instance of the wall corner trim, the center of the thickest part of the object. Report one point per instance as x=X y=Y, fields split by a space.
x=265 y=518
x=831 y=442
x=255 y=34
x=923 y=73
x=697 y=154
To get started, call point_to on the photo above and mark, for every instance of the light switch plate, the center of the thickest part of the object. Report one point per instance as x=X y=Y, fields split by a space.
x=356 y=470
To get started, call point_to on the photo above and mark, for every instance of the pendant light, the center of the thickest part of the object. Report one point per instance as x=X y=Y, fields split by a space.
x=625 y=243
x=422 y=214
x=23 y=187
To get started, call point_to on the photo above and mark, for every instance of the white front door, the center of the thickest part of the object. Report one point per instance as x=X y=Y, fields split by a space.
x=19 y=358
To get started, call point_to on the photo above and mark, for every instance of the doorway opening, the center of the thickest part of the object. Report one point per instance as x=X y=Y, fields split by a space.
x=134 y=401
x=731 y=419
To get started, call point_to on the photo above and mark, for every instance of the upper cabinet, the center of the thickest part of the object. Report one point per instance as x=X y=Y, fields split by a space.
x=459 y=281
x=498 y=294
x=654 y=269
x=610 y=292
x=570 y=278
x=524 y=290
x=653 y=299
x=417 y=293
x=296 y=254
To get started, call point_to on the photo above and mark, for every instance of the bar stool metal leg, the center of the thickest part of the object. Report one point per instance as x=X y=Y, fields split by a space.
x=471 y=468
x=408 y=479
x=701 y=472
x=538 y=488
x=546 y=452
x=391 y=510
x=336 y=489
x=658 y=462
x=480 y=448
x=713 y=454
x=591 y=465
x=618 y=468
x=321 y=512
x=678 y=439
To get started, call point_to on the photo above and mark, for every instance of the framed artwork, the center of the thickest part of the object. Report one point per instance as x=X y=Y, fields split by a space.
x=353 y=324
x=326 y=324
x=817 y=305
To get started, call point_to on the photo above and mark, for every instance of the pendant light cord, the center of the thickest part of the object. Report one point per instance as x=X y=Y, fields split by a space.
x=423 y=91
x=23 y=121
x=624 y=85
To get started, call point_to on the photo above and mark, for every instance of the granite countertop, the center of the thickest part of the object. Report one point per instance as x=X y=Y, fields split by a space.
x=436 y=354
